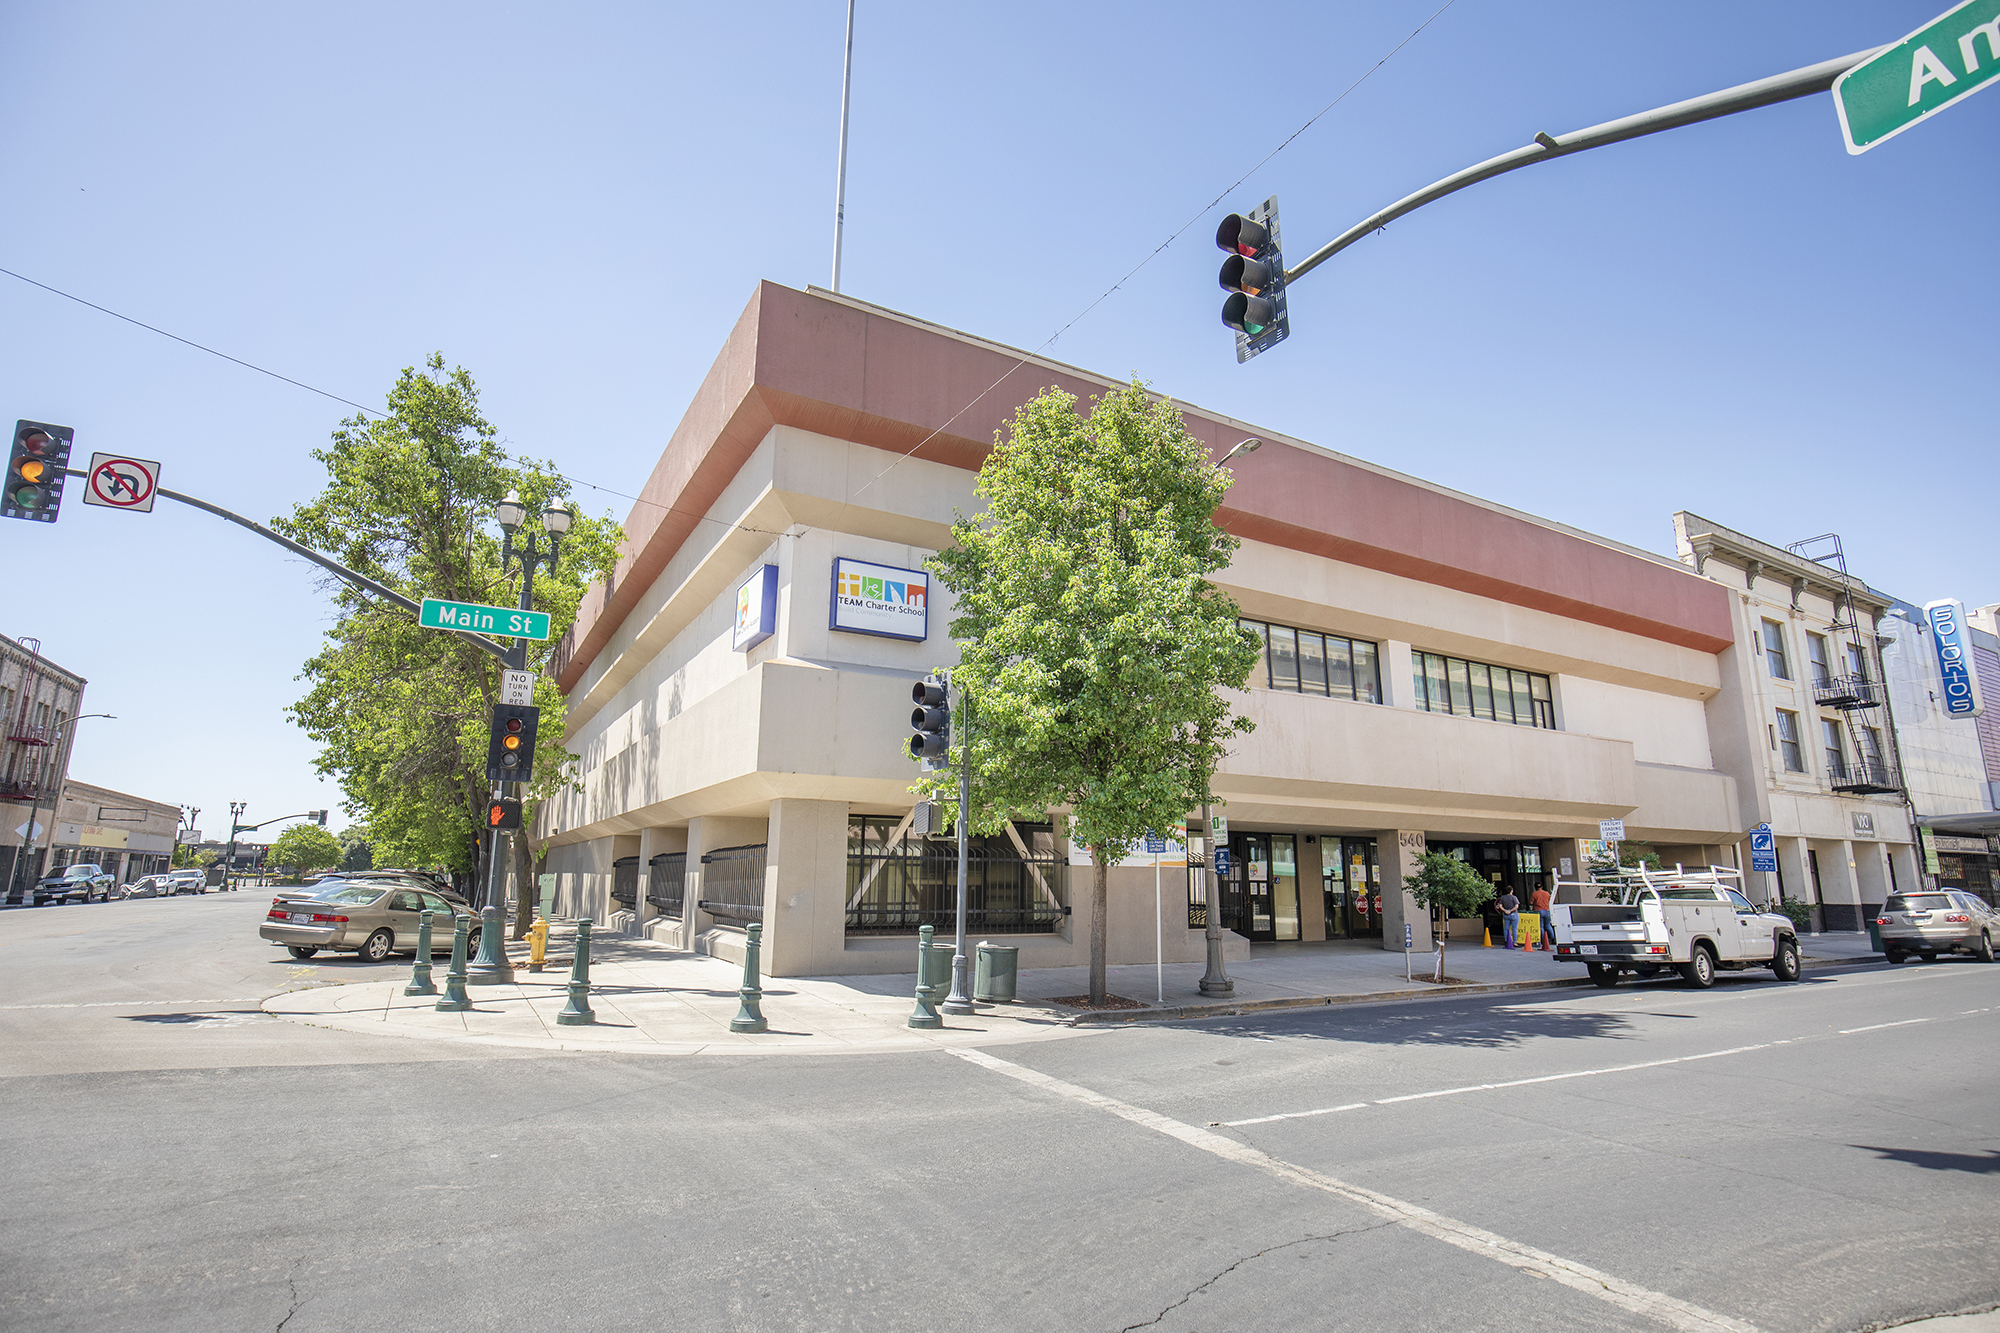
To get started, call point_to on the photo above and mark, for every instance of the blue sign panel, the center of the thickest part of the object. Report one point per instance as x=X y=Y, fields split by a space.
x=1155 y=844
x=1954 y=658
x=1222 y=862
x=1763 y=849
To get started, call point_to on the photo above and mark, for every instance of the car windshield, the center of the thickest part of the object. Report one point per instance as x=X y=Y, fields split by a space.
x=1918 y=902
x=353 y=894
x=79 y=871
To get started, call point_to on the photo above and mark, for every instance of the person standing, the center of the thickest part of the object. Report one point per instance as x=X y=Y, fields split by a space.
x=1510 y=917
x=1538 y=903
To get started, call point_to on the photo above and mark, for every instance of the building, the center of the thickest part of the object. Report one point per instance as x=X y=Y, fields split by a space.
x=39 y=702
x=1440 y=672
x=1951 y=764
x=129 y=836
x=1806 y=716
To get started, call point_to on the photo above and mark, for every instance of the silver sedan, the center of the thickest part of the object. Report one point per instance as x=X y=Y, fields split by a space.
x=372 y=920
x=1928 y=924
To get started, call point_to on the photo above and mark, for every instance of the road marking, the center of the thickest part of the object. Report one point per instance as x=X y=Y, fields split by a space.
x=1877 y=1027
x=134 y=1004
x=1669 y=1310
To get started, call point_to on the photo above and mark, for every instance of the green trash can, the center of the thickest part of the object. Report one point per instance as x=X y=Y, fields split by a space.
x=995 y=973
x=1874 y=935
x=939 y=973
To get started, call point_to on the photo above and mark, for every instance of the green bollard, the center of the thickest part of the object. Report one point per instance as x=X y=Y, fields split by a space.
x=577 y=1011
x=749 y=1017
x=454 y=996
x=925 y=1015
x=420 y=975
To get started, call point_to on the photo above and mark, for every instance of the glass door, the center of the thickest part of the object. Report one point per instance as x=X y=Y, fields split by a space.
x=1284 y=886
x=1361 y=910
x=1251 y=853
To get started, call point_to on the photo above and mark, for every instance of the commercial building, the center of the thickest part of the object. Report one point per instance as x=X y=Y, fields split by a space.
x=130 y=836
x=1951 y=762
x=1805 y=713
x=1439 y=671
x=38 y=703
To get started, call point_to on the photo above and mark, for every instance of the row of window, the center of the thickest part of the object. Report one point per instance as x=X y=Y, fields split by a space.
x=1788 y=740
x=1819 y=655
x=1309 y=662
x=1478 y=689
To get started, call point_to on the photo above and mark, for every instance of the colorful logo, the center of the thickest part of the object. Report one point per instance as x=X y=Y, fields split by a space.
x=889 y=592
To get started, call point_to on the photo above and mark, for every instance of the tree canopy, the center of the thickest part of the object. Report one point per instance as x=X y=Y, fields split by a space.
x=1091 y=644
x=304 y=848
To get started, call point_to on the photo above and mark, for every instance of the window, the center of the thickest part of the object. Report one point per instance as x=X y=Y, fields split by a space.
x=1836 y=753
x=1788 y=741
x=1774 y=651
x=1477 y=689
x=1822 y=667
x=1857 y=661
x=1307 y=662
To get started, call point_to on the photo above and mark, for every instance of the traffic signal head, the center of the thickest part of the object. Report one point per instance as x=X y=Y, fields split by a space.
x=1254 y=277
x=930 y=723
x=510 y=749
x=35 y=465
x=503 y=812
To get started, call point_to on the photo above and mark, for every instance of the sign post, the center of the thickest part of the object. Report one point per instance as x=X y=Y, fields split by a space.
x=1157 y=844
x=1940 y=64
x=1409 y=943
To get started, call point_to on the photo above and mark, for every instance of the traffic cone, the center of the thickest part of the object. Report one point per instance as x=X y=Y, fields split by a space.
x=1489 y=937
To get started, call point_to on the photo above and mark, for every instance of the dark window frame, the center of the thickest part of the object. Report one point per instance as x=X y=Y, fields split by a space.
x=1494 y=693
x=1363 y=658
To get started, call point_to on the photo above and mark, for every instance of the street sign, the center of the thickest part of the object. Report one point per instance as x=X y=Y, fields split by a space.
x=1409 y=937
x=1222 y=863
x=500 y=620
x=122 y=483
x=1611 y=830
x=1155 y=844
x=1763 y=849
x=1218 y=829
x=1939 y=64
x=517 y=687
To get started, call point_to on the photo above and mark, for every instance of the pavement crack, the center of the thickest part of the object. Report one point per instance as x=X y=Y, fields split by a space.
x=292 y=1279
x=1193 y=1292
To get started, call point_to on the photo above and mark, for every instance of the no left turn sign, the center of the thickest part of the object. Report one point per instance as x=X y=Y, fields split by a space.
x=122 y=483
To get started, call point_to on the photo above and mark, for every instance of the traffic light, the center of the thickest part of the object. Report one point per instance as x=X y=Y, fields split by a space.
x=930 y=722
x=317 y=816
x=1254 y=277
x=503 y=812
x=35 y=471
x=510 y=751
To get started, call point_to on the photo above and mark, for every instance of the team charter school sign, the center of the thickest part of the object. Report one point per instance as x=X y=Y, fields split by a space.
x=1945 y=61
x=880 y=599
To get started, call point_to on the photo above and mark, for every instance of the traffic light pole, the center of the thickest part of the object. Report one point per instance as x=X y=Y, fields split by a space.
x=960 y=999
x=1744 y=97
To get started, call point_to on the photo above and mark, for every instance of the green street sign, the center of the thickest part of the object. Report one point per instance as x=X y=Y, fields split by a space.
x=1945 y=61
x=499 y=620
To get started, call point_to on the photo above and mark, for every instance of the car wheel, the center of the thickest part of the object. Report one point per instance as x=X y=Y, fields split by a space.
x=376 y=947
x=300 y=951
x=1600 y=975
x=1928 y=957
x=1785 y=963
x=1983 y=950
x=1699 y=970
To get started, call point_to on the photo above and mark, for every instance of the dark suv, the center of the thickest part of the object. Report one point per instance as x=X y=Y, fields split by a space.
x=80 y=883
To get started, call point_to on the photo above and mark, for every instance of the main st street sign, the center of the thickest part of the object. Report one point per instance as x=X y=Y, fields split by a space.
x=1945 y=61
x=471 y=616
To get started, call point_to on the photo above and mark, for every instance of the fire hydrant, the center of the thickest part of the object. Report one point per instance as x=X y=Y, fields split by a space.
x=538 y=943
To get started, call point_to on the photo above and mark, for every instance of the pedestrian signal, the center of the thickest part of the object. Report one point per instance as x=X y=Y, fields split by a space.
x=503 y=812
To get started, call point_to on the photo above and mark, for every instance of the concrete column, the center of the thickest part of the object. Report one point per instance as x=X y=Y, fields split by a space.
x=1841 y=886
x=1312 y=889
x=805 y=889
x=1871 y=863
x=1398 y=682
x=1909 y=877
x=1797 y=872
x=1397 y=851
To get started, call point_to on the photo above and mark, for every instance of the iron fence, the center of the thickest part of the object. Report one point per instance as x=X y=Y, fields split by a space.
x=732 y=882
x=666 y=882
x=625 y=880
x=895 y=887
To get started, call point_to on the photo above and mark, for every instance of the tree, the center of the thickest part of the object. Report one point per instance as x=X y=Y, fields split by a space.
x=304 y=848
x=1442 y=880
x=1091 y=644
x=401 y=712
x=189 y=857
x=355 y=853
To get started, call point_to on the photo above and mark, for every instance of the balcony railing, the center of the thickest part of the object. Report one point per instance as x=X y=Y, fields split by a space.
x=894 y=890
x=732 y=883
x=18 y=791
x=1866 y=777
x=1847 y=692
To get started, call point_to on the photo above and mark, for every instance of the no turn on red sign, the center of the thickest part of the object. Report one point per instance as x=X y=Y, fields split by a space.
x=121 y=482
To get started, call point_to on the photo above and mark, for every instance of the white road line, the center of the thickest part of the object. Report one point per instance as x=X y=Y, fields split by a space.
x=1669 y=1310
x=133 y=1004
x=1294 y=1115
x=1877 y=1027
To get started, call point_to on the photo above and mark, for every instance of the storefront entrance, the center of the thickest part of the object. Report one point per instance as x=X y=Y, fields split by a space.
x=1353 y=888
x=1260 y=897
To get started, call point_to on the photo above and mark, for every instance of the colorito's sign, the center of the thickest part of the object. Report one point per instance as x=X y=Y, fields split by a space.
x=756 y=608
x=880 y=599
x=1954 y=658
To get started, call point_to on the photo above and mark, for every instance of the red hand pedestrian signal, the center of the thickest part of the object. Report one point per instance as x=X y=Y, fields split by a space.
x=503 y=812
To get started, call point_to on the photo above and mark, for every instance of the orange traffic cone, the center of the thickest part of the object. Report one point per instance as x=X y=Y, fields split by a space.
x=1489 y=937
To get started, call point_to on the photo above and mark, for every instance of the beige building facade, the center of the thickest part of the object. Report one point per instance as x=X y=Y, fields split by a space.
x=39 y=703
x=1439 y=672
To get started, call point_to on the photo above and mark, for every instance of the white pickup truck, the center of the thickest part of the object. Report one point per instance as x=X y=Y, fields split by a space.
x=1694 y=921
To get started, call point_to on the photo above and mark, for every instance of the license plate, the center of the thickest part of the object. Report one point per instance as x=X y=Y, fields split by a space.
x=296 y=916
x=1586 y=948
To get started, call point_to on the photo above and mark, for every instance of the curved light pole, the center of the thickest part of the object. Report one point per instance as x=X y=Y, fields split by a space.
x=15 y=890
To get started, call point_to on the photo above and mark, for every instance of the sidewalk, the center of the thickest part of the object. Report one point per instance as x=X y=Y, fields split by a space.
x=650 y=999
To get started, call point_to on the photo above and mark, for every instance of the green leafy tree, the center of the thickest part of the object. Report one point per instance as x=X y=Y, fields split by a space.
x=1442 y=880
x=1091 y=645
x=355 y=853
x=304 y=848
x=402 y=713
x=189 y=857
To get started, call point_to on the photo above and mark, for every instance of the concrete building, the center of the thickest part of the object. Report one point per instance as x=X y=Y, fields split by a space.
x=1439 y=671
x=129 y=836
x=38 y=702
x=1804 y=712
x=1951 y=764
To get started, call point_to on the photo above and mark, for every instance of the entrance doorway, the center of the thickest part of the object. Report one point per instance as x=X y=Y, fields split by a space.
x=1353 y=888
x=1261 y=895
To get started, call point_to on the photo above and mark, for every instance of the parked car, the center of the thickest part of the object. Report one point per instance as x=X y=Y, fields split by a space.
x=371 y=918
x=187 y=881
x=148 y=886
x=81 y=883
x=1928 y=924
x=414 y=879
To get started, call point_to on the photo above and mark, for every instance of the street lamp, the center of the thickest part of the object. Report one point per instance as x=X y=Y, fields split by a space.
x=1249 y=446
x=27 y=852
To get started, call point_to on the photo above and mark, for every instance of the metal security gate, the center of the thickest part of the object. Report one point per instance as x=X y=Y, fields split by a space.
x=897 y=882
x=732 y=883
x=666 y=883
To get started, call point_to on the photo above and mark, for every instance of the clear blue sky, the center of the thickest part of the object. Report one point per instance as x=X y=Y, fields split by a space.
x=575 y=202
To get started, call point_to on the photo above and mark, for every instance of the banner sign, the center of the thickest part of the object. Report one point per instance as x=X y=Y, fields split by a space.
x=1928 y=841
x=1954 y=658
x=880 y=599
x=756 y=608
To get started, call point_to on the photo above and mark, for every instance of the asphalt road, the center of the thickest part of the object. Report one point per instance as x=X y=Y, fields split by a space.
x=1758 y=1156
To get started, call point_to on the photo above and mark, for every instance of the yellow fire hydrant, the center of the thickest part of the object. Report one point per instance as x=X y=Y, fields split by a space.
x=538 y=943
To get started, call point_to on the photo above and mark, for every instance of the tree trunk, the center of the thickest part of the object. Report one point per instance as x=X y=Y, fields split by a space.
x=1099 y=878
x=524 y=885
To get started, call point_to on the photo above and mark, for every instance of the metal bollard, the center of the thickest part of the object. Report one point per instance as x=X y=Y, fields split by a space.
x=925 y=1015
x=454 y=996
x=749 y=1017
x=420 y=975
x=538 y=943
x=577 y=1011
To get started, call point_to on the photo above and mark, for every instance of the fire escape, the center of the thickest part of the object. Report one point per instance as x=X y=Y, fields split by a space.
x=25 y=730
x=1865 y=769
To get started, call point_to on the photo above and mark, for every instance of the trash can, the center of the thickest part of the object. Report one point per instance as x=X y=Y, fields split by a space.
x=939 y=972
x=1874 y=935
x=993 y=977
